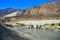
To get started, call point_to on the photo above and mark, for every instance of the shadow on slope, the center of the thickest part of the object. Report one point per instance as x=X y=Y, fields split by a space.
x=7 y=34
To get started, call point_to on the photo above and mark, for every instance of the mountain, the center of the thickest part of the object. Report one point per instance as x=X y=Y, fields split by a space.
x=46 y=11
x=49 y=10
x=7 y=11
x=12 y=14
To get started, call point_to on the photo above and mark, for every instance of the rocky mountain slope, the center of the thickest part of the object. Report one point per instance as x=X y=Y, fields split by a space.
x=43 y=11
x=46 y=11
x=7 y=11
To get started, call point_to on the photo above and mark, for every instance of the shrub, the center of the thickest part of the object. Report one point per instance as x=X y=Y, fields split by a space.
x=59 y=24
x=52 y=24
x=21 y=24
x=48 y=24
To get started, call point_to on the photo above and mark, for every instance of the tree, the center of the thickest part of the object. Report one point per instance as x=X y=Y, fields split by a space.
x=52 y=24
x=59 y=24
x=36 y=26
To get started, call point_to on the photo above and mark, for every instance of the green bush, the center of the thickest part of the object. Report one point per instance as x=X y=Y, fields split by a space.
x=59 y=24
x=21 y=24
x=48 y=24
x=53 y=24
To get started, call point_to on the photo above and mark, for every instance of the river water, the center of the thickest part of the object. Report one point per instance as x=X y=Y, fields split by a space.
x=37 y=34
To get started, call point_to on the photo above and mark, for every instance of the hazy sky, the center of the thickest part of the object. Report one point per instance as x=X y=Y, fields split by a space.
x=22 y=4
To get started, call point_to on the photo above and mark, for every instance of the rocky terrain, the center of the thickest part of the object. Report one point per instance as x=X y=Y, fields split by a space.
x=45 y=11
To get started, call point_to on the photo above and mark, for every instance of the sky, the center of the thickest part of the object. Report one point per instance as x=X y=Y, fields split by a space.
x=21 y=4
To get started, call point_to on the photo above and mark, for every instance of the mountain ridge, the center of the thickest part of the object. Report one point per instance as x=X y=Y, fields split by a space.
x=47 y=11
x=7 y=11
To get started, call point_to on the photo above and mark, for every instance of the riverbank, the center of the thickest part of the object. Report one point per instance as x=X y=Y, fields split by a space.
x=8 y=34
x=53 y=25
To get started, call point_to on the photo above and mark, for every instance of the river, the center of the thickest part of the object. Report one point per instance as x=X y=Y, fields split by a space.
x=37 y=34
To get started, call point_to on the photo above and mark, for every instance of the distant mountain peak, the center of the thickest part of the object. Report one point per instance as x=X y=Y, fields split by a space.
x=8 y=11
